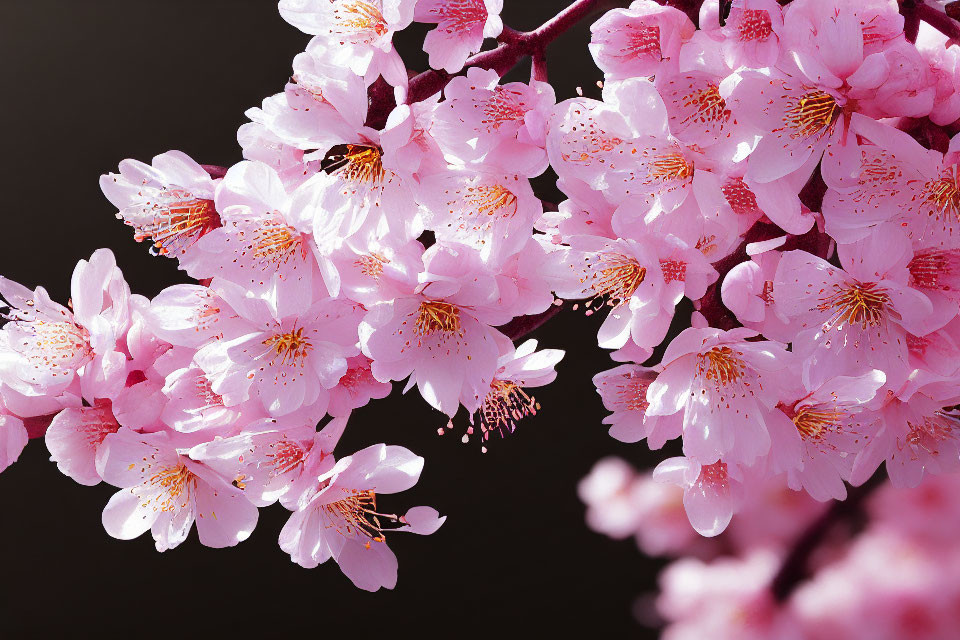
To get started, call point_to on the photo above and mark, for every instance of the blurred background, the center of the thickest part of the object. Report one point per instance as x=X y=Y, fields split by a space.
x=87 y=84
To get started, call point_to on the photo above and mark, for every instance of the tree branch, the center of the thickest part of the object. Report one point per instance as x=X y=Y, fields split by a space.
x=936 y=19
x=795 y=568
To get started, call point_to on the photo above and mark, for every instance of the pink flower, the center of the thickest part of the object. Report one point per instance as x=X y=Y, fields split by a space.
x=461 y=27
x=75 y=436
x=724 y=385
x=853 y=320
x=356 y=388
x=750 y=35
x=638 y=41
x=893 y=179
x=287 y=362
x=503 y=126
x=915 y=435
x=506 y=401
x=491 y=212
x=642 y=278
x=44 y=345
x=270 y=462
x=711 y=493
x=442 y=335
x=169 y=203
x=818 y=434
x=341 y=519
x=263 y=246
x=166 y=492
x=623 y=390
x=358 y=33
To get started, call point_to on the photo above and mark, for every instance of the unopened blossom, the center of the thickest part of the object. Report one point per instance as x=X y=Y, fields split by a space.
x=341 y=519
x=639 y=40
x=358 y=33
x=461 y=27
x=169 y=203
x=165 y=492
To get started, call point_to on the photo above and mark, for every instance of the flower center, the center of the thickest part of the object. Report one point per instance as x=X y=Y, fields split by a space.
x=859 y=303
x=714 y=475
x=738 y=195
x=721 y=365
x=504 y=405
x=931 y=269
x=492 y=200
x=60 y=347
x=274 y=242
x=98 y=423
x=643 y=41
x=632 y=392
x=813 y=423
x=173 y=221
x=362 y=17
x=669 y=166
x=285 y=456
x=708 y=106
x=461 y=15
x=356 y=515
x=291 y=348
x=615 y=277
x=754 y=24
x=504 y=106
x=437 y=317
x=942 y=195
x=928 y=434
x=673 y=270
x=371 y=265
x=173 y=482
x=812 y=114
x=357 y=163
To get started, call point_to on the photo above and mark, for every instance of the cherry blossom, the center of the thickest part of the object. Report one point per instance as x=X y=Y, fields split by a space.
x=461 y=27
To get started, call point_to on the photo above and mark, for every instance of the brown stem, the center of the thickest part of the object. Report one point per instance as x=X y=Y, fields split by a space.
x=795 y=568
x=936 y=19
x=215 y=171
x=523 y=325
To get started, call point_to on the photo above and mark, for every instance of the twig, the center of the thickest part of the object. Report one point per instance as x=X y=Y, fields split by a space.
x=795 y=568
x=937 y=19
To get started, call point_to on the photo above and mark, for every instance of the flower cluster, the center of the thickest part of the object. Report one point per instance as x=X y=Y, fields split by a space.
x=893 y=580
x=787 y=171
x=773 y=172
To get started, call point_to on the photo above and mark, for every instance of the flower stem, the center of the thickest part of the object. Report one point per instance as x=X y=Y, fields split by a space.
x=936 y=19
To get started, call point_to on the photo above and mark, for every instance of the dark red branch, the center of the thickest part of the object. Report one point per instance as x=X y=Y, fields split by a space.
x=935 y=18
x=215 y=171
x=523 y=325
x=795 y=568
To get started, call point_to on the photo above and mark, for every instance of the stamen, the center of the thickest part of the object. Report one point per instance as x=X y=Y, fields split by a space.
x=642 y=41
x=859 y=303
x=709 y=106
x=669 y=166
x=504 y=405
x=613 y=277
x=357 y=163
x=285 y=456
x=934 y=269
x=506 y=105
x=363 y=19
x=812 y=114
x=673 y=270
x=58 y=346
x=928 y=434
x=437 y=317
x=813 y=423
x=274 y=242
x=721 y=365
x=175 y=484
x=942 y=196
x=173 y=219
x=714 y=475
x=371 y=265
x=457 y=16
x=356 y=515
x=291 y=348
x=632 y=392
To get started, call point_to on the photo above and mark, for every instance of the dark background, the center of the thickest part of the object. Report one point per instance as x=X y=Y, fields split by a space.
x=87 y=83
